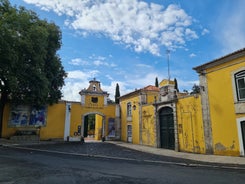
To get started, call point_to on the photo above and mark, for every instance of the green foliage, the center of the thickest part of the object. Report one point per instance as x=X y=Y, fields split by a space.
x=30 y=69
x=176 y=85
x=156 y=82
x=117 y=94
x=195 y=89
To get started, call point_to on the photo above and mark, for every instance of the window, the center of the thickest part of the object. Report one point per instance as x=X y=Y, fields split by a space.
x=129 y=109
x=143 y=98
x=94 y=99
x=240 y=85
x=94 y=87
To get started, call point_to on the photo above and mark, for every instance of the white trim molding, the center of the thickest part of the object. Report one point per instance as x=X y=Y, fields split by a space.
x=239 y=105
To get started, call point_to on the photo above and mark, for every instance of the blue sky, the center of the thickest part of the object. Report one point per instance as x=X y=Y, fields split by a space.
x=125 y=41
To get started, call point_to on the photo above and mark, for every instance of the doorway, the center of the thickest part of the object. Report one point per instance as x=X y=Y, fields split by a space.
x=93 y=127
x=129 y=133
x=243 y=133
x=166 y=119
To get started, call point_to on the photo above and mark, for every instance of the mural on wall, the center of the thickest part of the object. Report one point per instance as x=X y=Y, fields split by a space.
x=38 y=117
x=111 y=127
x=23 y=115
x=19 y=116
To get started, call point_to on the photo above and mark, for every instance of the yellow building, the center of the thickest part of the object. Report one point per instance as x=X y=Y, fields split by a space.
x=169 y=120
x=148 y=116
x=222 y=84
x=209 y=122
x=92 y=118
x=137 y=114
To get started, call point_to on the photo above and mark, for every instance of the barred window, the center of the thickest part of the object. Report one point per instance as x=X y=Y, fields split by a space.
x=129 y=109
x=240 y=85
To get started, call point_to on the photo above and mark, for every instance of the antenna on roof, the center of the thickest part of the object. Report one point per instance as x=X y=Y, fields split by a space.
x=168 y=53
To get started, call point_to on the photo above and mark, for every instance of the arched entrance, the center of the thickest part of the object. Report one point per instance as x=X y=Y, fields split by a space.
x=166 y=121
x=93 y=126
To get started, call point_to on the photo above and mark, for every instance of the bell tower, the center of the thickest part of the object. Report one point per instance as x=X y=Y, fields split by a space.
x=93 y=96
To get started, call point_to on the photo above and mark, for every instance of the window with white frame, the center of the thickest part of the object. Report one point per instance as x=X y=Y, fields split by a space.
x=240 y=85
x=129 y=109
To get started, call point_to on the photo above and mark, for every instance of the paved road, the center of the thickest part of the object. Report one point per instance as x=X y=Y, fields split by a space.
x=74 y=163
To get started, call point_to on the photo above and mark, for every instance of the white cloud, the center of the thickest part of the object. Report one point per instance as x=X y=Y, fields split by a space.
x=71 y=90
x=78 y=80
x=137 y=24
x=98 y=63
x=144 y=66
x=80 y=75
x=186 y=85
x=230 y=33
x=192 y=55
x=205 y=31
x=92 y=60
x=109 y=77
x=94 y=57
x=78 y=61
x=75 y=82
x=190 y=34
x=112 y=87
x=143 y=81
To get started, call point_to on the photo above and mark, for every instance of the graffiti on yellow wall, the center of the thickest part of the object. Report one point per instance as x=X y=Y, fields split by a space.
x=190 y=128
x=148 y=127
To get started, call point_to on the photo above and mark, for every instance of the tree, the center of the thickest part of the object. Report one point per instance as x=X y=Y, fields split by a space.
x=117 y=94
x=156 y=82
x=30 y=69
x=176 y=85
x=195 y=89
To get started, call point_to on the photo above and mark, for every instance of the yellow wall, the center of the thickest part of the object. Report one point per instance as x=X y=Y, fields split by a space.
x=190 y=124
x=139 y=119
x=222 y=109
x=78 y=111
x=55 y=122
x=54 y=127
x=89 y=103
x=165 y=82
x=98 y=127
x=134 y=121
x=7 y=131
x=148 y=125
x=76 y=118
x=151 y=96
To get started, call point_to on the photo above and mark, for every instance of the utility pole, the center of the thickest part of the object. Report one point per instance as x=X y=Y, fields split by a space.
x=168 y=53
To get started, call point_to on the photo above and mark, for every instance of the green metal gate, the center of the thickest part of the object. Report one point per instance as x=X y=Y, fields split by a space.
x=166 y=120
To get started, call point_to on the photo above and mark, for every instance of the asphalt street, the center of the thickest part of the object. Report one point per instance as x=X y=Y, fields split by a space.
x=102 y=163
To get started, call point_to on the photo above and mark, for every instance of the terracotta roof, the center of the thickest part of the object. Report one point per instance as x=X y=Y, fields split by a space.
x=147 y=88
x=221 y=60
x=151 y=88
